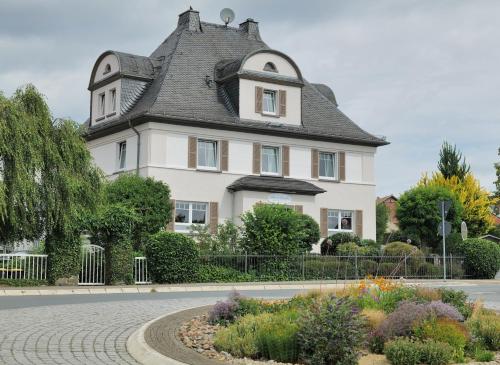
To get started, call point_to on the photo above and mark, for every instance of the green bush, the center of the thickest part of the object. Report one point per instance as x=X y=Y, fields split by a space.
x=435 y=353
x=484 y=355
x=63 y=260
x=352 y=249
x=225 y=241
x=240 y=338
x=120 y=263
x=403 y=351
x=458 y=299
x=273 y=229
x=319 y=268
x=381 y=220
x=485 y=327
x=311 y=232
x=482 y=257
x=331 y=332
x=172 y=258
x=220 y=274
x=402 y=249
x=22 y=282
x=329 y=244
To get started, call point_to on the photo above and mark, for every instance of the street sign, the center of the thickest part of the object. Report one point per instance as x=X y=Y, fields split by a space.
x=463 y=230
x=447 y=228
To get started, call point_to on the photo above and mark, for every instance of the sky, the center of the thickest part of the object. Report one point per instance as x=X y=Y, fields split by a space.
x=418 y=72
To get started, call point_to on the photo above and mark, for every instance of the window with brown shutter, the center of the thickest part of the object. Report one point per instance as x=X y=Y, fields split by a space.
x=224 y=155
x=286 y=160
x=358 y=220
x=342 y=166
x=170 y=225
x=214 y=217
x=256 y=158
x=314 y=163
x=259 y=91
x=282 y=101
x=323 y=222
x=192 y=146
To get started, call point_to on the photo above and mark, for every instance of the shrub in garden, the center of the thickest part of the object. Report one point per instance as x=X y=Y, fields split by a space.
x=402 y=249
x=403 y=351
x=273 y=229
x=435 y=353
x=172 y=258
x=63 y=258
x=484 y=355
x=311 y=232
x=223 y=312
x=485 y=326
x=329 y=244
x=240 y=338
x=403 y=319
x=225 y=241
x=220 y=274
x=376 y=341
x=316 y=268
x=458 y=299
x=352 y=249
x=482 y=257
x=442 y=310
x=331 y=332
x=374 y=317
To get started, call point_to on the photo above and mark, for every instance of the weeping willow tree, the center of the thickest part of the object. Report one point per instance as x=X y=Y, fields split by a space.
x=47 y=177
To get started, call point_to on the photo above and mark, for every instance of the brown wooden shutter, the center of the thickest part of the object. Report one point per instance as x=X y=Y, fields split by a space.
x=359 y=223
x=256 y=158
x=342 y=166
x=314 y=164
x=171 y=224
x=192 y=147
x=214 y=217
x=224 y=155
x=286 y=160
x=299 y=208
x=282 y=98
x=323 y=222
x=259 y=92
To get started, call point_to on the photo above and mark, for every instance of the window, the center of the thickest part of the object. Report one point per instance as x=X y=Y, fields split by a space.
x=270 y=160
x=122 y=155
x=327 y=165
x=340 y=220
x=112 y=97
x=269 y=102
x=189 y=213
x=271 y=67
x=102 y=104
x=207 y=154
x=107 y=69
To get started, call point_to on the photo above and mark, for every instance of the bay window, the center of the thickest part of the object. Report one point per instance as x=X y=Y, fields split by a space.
x=340 y=221
x=270 y=160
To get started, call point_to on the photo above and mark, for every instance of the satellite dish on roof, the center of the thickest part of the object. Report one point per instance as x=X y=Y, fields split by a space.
x=227 y=15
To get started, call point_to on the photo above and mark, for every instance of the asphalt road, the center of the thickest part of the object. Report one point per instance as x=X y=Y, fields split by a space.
x=94 y=328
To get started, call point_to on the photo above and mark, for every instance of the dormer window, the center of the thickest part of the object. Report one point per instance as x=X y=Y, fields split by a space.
x=270 y=67
x=269 y=102
x=107 y=69
x=112 y=99
x=102 y=104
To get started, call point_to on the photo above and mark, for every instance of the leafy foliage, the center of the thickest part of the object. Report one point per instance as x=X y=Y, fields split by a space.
x=64 y=256
x=225 y=241
x=150 y=200
x=273 y=229
x=329 y=244
x=458 y=299
x=485 y=326
x=475 y=200
x=172 y=258
x=331 y=332
x=351 y=249
x=482 y=257
x=381 y=219
x=311 y=231
x=450 y=162
x=403 y=351
x=419 y=215
x=209 y=273
x=401 y=249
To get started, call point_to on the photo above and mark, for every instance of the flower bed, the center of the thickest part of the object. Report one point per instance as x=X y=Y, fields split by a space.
x=410 y=325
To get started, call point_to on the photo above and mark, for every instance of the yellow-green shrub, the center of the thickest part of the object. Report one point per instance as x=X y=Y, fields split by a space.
x=374 y=317
x=485 y=326
x=240 y=338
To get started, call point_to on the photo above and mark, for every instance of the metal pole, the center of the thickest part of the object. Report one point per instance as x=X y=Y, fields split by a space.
x=303 y=268
x=444 y=240
x=246 y=262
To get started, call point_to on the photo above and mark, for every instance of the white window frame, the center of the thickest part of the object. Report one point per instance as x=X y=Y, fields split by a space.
x=335 y=166
x=112 y=100
x=217 y=155
x=119 y=156
x=101 y=104
x=275 y=92
x=339 y=222
x=262 y=172
x=184 y=227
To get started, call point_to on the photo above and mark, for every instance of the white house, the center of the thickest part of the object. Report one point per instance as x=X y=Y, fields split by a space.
x=227 y=122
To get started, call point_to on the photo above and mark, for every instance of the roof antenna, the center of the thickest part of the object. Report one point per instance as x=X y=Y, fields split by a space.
x=190 y=7
x=227 y=16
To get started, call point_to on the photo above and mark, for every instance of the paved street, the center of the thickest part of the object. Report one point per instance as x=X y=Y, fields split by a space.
x=93 y=329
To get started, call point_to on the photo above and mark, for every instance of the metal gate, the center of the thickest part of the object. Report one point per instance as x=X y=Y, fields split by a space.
x=92 y=272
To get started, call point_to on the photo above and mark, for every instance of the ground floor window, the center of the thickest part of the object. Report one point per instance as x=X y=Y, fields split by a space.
x=189 y=213
x=340 y=221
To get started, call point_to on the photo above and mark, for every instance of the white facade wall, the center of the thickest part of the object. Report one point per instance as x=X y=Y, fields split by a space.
x=259 y=60
x=164 y=156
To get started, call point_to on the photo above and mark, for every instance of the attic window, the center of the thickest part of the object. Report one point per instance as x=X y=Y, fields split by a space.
x=271 y=67
x=107 y=69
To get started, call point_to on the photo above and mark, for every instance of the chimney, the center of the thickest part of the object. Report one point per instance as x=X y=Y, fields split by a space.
x=251 y=27
x=190 y=20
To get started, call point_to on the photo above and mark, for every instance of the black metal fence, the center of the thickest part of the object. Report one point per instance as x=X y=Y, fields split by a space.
x=316 y=267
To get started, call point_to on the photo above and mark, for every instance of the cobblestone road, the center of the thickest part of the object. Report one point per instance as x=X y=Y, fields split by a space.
x=91 y=333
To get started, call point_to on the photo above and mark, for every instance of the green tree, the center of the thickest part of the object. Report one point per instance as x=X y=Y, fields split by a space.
x=311 y=231
x=381 y=221
x=46 y=174
x=419 y=215
x=150 y=199
x=450 y=162
x=273 y=229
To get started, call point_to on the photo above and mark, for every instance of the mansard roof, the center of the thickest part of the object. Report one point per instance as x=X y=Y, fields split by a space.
x=183 y=88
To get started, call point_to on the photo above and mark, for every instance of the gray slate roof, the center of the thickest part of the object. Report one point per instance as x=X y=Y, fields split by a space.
x=180 y=94
x=275 y=185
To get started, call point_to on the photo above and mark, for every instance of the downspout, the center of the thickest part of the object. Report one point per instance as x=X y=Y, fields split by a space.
x=138 y=146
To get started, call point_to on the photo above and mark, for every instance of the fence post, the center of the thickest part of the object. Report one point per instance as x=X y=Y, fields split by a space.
x=303 y=268
x=406 y=275
x=246 y=262
x=356 y=263
x=451 y=266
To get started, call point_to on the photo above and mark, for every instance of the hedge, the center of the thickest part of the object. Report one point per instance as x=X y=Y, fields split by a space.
x=63 y=262
x=482 y=257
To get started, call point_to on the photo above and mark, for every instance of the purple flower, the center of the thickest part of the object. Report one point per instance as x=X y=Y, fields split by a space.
x=440 y=309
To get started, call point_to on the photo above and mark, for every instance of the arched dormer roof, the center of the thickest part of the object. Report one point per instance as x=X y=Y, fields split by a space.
x=112 y=65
